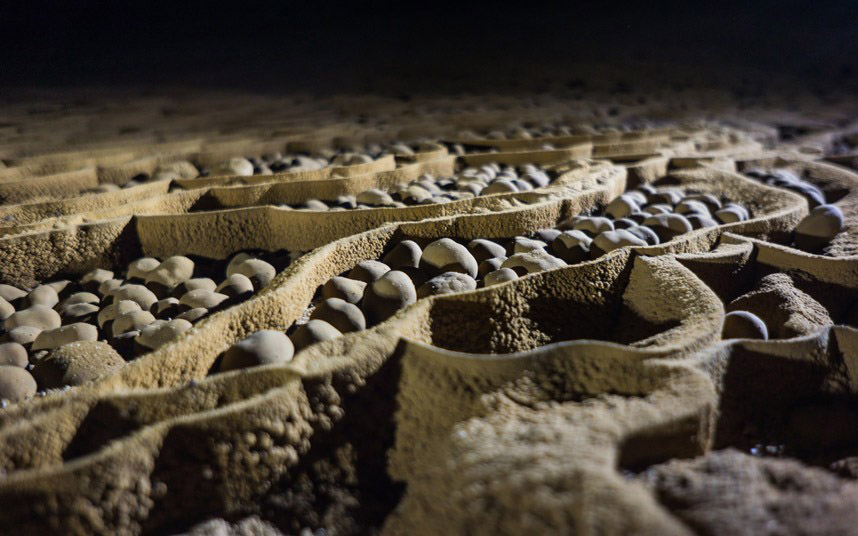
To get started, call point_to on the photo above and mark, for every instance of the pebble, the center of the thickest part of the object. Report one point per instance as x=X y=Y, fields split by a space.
x=54 y=338
x=447 y=283
x=621 y=207
x=383 y=298
x=24 y=335
x=490 y=265
x=167 y=275
x=37 y=316
x=76 y=364
x=668 y=226
x=818 y=228
x=139 y=268
x=593 y=225
x=11 y=294
x=368 y=271
x=41 y=295
x=611 y=240
x=133 y=321
x=375 y=198
x=6 y=309
x=572 y=246
x=532 y=262
x=344 y=316
x=236 y=285
x=13 y=354
x=16 y=384
x=234 y=166
x=446 y=255
x=483 y=249
x=521 y=244
x=136 y=293
x=166 y=308
x=350 y=290
x=198 y=283
x=500 y=276
x=201 y=298
x=731 y=214
x=265 y=347
x=157 y=335
x=407 y=253
x=193 y=315
x=107 y=314
x=312 y=332
x=743 y=325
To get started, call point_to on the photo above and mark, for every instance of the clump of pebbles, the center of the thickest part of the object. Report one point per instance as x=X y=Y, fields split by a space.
x=65 y=332
x=427 y=189
x=824 y=222
x=374 y=290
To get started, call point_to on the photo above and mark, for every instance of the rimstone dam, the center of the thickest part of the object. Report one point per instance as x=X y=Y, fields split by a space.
x=622 y=313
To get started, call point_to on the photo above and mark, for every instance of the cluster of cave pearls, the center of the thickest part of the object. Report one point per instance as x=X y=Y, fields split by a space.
x=605 y=395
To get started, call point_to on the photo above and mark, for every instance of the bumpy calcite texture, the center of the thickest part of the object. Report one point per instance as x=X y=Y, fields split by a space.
x=594 y=398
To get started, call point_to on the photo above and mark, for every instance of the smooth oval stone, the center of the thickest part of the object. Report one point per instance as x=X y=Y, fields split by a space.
x=405 y=253
x=11 y=294
x=447 y=283
x=375 y=198
x=572 y=246
x=350 y=290
x=234 y=166
x=41 y=295
x=653 y=210
x=611 y=240
x=193 y=315
x=16 y=384
x=532 y=262
x=490 y=265
x=483 y=249
x=75 y=364
x=743 y=325
x=60 y=287
x=201 y=298
x=415 y=194
x=624 y=223
x=621 y=207
x=417 y=276
x=711 y=202
x=24 y=335
x=312 y=332
x=646 y=234
x=500 y=186
x=182 y=168
x=637 y=196
x=593 y=225
x=166 y=308
x=665 y=197
x=810 y=192
x=136 y=293
x=315 y=204
x=54 y=338
x=668 y=226
x=109 y=287
x=133 y=321
x=819 y=227
x=393 y=291
x=197 y=283
x=258 y=271
x=37 y=316
x=446 y=255
x=155 y=336
x=538 y=179
x=521 y=244
x=237 y=259
x=172 y=271
x=500 y=276
x=368 y=271
x=6 y=309
x=687 y=207
x=236 y=285
x=13 y=354
x=341 y=314
x=92 y=279
x=547 y=235
x=264 y=347
x=80 y=297
x=113 y=310
x=141 y=267
x=699 y=221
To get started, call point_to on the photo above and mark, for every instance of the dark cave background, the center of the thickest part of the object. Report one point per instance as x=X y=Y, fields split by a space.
x=332 y=47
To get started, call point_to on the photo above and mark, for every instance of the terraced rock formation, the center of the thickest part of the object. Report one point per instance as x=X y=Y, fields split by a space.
x=460 y=316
